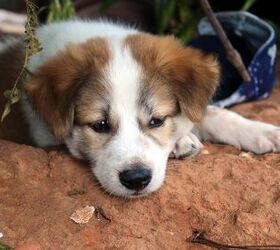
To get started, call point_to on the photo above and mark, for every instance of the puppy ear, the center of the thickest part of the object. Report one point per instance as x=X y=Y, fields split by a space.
x=191 y=75
x=53 y=88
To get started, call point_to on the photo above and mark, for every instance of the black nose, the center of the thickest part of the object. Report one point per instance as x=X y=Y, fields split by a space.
x=137 y=178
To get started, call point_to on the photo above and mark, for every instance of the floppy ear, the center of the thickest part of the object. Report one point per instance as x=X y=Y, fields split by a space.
x=53 y=88
x=192 y=75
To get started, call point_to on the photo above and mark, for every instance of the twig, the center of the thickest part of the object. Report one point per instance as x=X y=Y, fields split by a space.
x=100 y=215
x=232 y=54
x=32 y=47
x=199 y=238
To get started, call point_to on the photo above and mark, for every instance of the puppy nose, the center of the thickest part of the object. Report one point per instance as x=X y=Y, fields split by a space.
x=136 y=178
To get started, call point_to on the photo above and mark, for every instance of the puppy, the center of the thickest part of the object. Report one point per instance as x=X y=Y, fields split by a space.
x=124 y=101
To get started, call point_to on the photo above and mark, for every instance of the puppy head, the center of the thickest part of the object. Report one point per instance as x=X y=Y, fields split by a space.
x=115 y=104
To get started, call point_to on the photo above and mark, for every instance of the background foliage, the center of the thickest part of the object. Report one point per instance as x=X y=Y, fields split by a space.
x=178 y=17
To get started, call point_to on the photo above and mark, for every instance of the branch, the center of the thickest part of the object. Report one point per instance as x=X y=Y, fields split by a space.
x=199 y=238
x=232 y=54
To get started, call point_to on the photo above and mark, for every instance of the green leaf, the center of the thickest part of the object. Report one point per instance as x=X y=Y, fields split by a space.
x=60 y=10
x=107 y=4
x=187 y=33
x=165 y=13
x=5 y=247
x=157 y=9
x=248 y=4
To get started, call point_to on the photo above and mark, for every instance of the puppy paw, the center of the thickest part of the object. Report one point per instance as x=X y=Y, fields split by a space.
x=262 y=138
x=186 y=146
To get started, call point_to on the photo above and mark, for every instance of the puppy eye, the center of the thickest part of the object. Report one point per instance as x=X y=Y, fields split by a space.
x=101 y=126
x=156 y=122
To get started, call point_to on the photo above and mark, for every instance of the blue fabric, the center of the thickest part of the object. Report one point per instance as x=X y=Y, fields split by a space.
x=255 y=41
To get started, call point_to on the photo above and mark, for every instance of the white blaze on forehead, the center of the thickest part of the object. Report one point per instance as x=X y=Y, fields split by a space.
x=124 y=77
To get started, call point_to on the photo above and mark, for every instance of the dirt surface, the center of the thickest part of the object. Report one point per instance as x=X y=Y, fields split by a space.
x=232 y=196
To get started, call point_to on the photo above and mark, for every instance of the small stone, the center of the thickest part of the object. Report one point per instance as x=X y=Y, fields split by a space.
x=246 y=155
x=205 y=152
x=82 y=216
x=1 y=235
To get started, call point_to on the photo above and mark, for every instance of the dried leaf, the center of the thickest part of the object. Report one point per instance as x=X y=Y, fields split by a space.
x=82 y=216
x=13 y=95
x=33 y=45
x=7 y=110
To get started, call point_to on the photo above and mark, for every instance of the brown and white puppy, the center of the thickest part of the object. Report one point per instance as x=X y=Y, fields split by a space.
x=125 y=101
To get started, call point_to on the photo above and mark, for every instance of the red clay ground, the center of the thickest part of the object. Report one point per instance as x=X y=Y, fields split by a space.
x=234 y=198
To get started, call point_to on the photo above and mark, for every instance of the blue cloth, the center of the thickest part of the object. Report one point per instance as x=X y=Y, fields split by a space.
x=255 y=41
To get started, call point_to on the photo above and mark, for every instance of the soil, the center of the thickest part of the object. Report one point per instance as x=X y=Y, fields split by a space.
x=233 y=197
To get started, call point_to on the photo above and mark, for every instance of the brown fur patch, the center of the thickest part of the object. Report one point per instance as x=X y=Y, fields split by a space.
x=92 y=103
x=54 y=87
x=191 y=75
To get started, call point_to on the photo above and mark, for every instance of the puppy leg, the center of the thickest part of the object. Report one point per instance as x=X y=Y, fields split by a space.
x=224 y=126
x=186 y=142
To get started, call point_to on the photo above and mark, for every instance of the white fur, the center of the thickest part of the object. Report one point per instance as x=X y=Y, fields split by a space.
x=224 y=126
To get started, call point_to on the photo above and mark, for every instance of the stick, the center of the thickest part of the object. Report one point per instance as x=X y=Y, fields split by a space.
x=232 y=54
x=199 y=238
